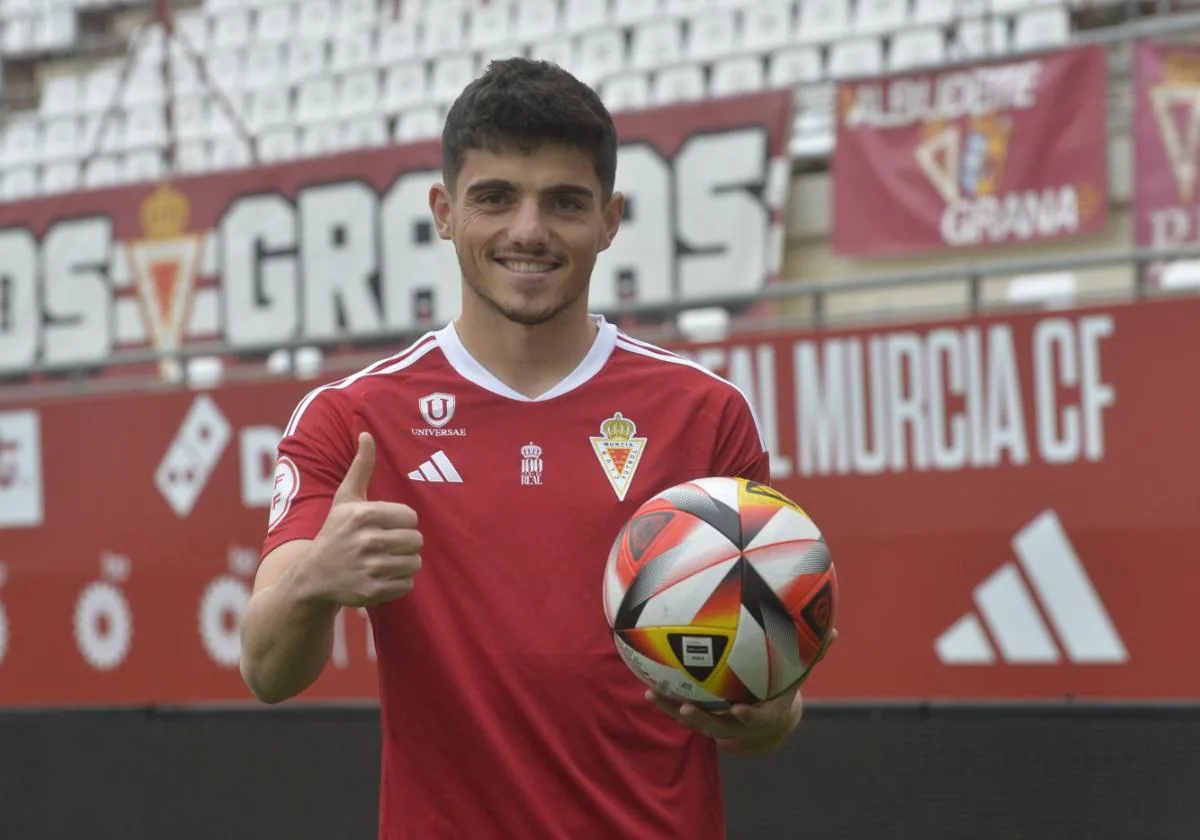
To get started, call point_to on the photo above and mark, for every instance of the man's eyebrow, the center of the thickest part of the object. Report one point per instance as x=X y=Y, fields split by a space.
x=489 y=184
x=570 y=189
x=501 y=185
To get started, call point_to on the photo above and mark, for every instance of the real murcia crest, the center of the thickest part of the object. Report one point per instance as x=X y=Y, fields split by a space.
x=619 y=450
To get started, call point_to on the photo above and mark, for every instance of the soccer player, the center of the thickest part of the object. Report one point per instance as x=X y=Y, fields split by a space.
x=467 y=491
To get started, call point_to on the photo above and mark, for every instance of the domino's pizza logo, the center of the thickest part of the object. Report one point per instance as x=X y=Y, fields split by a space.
x=192 y=455
x=287 y=485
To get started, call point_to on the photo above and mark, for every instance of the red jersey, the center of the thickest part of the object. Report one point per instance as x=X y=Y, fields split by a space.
x=506 y=710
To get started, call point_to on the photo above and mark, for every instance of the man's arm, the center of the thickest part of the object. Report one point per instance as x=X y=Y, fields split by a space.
x=287 y=632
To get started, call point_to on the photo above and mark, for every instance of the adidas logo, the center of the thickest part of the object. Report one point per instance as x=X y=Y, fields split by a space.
x=1015 y=623
x=437 y=468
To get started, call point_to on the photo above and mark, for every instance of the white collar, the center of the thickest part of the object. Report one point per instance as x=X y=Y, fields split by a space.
x=468 y=368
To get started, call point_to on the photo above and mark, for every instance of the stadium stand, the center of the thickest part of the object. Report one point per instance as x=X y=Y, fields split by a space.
x=285 y=80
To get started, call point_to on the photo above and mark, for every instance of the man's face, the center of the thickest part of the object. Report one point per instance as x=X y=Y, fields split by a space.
x=527 y=229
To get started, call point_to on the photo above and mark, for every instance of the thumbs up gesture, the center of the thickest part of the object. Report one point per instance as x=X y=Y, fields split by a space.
x=366 y=552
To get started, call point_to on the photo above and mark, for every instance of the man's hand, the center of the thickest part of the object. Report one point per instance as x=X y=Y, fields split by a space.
x=366 y=552
x=743 y=729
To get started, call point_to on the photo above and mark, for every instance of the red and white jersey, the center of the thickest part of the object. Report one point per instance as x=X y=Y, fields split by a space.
x=506 y=709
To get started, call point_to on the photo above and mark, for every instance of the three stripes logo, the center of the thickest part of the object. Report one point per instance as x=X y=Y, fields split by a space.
x=1015 y=624
x=438 y=468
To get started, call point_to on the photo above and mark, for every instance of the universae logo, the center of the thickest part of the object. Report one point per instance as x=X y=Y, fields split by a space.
x=1066 y=594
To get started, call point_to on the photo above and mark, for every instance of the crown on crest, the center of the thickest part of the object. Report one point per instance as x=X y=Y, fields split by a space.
x=165 y=212
x=618 y=427
x=531 y=450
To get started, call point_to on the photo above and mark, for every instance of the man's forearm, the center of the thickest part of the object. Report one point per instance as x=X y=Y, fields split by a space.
x=286 y=640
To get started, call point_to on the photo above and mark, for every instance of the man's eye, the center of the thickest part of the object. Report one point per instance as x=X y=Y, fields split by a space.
x=491 y=198
x=564 y=203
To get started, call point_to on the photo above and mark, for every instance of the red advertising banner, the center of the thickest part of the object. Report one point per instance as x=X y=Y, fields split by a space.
x=342 y=248
x=1010 y=502
x=1166 y=97
x=1003 y=153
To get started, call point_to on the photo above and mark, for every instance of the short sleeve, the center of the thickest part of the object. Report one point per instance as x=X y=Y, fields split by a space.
x=741 y=449
x=312 y=461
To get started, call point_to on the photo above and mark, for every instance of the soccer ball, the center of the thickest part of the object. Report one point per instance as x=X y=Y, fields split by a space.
x=720 y=591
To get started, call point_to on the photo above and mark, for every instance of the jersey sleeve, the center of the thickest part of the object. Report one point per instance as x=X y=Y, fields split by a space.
x=314 y=454
x=741 y=449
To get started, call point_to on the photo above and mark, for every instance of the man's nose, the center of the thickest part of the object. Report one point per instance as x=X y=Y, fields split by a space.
x=528 y=226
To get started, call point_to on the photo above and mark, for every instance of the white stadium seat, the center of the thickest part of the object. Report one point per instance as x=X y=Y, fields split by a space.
x=278 y=144
x=363 y=133
x=61 y=95
x=20 y=184
x=60 y=177
x=145 y=128
x=229 y=153
x=626 y=92
x=1049 y=26
x=488 y=25
x=536 y=19
x=979 y=38
x=917 y=48
x=875 y=16
x=102 y=171
x=601 y=54
x=419 y=124
x=274 y=23
x=358 y=94
x=269 y=108
x=582 y=15
x=23 y=141
x=823 y=20
x=60 y=139
x=226 y=69
x=18 y=37
x=357 y=14
x=100 y=88
x=306 y=58
x=682 y=83
x=625 y=12
x=558 y=51
x=856 y=57
x=794 y=66
x=143 y=86
x=142 y=166
x=442 y=32
x=656 y=44
x=264 y=66
x=151 y=44
x=939 y=12
x=315 y=100
x=321 y=138
x=315 y=19
x=191 y=117
x=685 y=8
x=404 y=86
x=740 y=74
x=231 y=29
x=353 y=50
x=711 y=35
x=396 y=41
x=450 y=75
x=767 y=25
x=193 y=29
x=192 y=158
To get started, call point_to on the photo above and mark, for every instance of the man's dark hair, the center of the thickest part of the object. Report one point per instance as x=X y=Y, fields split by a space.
x=518 y=105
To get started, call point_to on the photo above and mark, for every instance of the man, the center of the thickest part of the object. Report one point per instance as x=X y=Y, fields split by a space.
x=459 y=490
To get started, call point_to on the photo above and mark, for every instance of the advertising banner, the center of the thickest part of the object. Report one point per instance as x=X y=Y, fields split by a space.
x=342 y=248
x=1004 y=153
x=1010 y=502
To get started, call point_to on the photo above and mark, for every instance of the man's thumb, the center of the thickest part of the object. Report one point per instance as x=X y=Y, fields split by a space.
x=358 y=476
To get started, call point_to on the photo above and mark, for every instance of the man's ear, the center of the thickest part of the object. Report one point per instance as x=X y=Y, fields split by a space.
x=441 y=204
x=613 y=212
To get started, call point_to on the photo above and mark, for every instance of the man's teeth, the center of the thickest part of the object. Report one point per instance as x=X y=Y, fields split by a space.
x=527 y=267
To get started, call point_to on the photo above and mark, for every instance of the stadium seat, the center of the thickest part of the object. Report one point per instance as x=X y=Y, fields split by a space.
x=264 y=66
x=656 y=44
x=363 y=133
x=979 y=38
x=23 y=141
x=56 y=29
x=917 y=48
x=685 y=8
x=18 y=37
x=151 y=44
x=856 y=57
x=1180 y=274
x=228 y=153
x=269 y=108
x=419 y=124
x=305 y=60
x=192 y=158
x=321 y=138
x=356 y=14
x=823 y=21
x=794 y=66
x=193 y=30
x=582 y=15
x=497 y=52
x=191 y=117
x=404 y=86
x=274 y=23
x=315 y=100
x=60 y=139
x=711 y=35
x=353 y=50
x=358 y=94
x=145 y=128
x=102 y=171
x=1052 y=290
x=934 y=12
x=315 y=19
x=601 y=54
x=682 y=83
x=100 y=88
x=143 y=86
x=396 y=41
x=626 y=12
x=740 y=74
x=20 y=184
x=879 y=16
x=1048 y=26
x=488 y=25
x=442 y=33
x=227 y=70
x=231 y=29
x=139 y=167
x=60 y=177
x=536 y=19
x=185 y=77
x=278 y=144
x=558 y=51
x=61 y=95
x=449 y=76
x=626 y=92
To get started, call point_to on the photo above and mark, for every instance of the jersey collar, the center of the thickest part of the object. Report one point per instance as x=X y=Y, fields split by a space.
x=468 y=368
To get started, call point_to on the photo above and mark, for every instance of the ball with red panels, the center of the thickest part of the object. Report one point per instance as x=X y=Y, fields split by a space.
x=720 y=591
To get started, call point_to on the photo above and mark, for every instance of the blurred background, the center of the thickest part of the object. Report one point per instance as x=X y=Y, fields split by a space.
x=947 y=248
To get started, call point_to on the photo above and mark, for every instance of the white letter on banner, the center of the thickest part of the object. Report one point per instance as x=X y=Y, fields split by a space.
x=20 y=312
x=78 y=302
x=258 y=271
x=338 y=251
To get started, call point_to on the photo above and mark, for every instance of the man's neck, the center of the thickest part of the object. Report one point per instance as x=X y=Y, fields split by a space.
x=530 y=360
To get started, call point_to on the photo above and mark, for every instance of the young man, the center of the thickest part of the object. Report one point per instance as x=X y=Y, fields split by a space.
x=463 y=491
